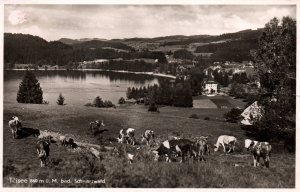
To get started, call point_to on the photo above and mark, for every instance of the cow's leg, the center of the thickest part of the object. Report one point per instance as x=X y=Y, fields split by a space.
x=224 y=148
x=254 y=161
x=257 y=161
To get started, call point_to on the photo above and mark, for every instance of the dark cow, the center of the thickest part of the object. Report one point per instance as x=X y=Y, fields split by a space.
x=259 y=149
x=14 y=125
x=71 y=143
x=148 y=136
x=96 y=124
x=43 y=151
x=181 y=147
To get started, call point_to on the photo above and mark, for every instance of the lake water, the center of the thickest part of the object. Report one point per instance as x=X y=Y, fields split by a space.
x=78 y=87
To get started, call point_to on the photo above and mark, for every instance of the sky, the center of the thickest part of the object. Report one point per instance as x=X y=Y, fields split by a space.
x=53 y=22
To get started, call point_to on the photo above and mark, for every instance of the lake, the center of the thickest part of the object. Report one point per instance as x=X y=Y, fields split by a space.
x=78 y=87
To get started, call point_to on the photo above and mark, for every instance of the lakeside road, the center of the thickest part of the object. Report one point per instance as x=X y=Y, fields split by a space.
x=118 y=71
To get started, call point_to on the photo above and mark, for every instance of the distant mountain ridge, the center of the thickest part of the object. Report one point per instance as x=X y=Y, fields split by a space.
x=24 y=48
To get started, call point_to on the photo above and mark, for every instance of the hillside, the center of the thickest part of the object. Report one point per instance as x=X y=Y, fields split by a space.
x=220 y=170
x=22 y=48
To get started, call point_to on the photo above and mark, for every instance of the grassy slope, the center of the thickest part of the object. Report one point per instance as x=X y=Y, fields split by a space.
x=21 y=161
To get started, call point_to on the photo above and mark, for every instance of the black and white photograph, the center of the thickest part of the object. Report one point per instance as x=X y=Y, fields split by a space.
x=139 y=95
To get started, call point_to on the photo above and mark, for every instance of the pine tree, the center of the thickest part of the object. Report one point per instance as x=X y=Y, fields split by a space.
x=30 y=90
x=60 y=100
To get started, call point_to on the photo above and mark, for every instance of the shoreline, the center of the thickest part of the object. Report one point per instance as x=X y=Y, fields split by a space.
x=118 y=71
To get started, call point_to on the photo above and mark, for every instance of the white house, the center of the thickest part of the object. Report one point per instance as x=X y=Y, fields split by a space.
x=210 y=87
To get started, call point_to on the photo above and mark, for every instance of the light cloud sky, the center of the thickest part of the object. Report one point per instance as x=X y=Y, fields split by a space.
x=53 y=22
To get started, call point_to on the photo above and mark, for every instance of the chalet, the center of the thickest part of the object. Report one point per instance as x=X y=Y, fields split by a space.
x=210 y=87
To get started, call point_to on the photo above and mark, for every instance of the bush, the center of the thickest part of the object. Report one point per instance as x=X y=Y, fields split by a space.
x=121 y=100
x=89 y=105
x=98 y=102
x=194 y=116
x=207 y=118
x=153 y=108
x=30 y=90
x=233 y=116
x=60 y=100
x=108 y=104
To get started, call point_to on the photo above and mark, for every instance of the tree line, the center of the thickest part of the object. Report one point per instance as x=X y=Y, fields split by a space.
x=177 y=94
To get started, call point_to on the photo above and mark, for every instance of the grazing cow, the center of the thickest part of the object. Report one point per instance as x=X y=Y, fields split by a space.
x=226 y=140
x=181 y=147
x=148 y=136
x=259 y=149
x=63 y=140
x=14 y=125
x=202 y=147
x=71 y=143
x=96 y=124
x=43 y=150
x=127 y=135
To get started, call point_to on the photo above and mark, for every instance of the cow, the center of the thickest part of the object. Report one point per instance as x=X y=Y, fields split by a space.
x=148 y=136
x=71 y=143
x=96 y=124
x=127 y=135
x=181 y=147
x=43 y=151
x=226 y=140
x=63 y=140
x=14 y=125
x=259 y=149
x=202 y=147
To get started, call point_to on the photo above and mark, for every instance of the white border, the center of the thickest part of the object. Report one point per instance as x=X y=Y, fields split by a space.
x=165 y=2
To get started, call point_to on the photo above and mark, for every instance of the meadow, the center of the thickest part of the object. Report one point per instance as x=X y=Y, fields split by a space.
x=233 y=170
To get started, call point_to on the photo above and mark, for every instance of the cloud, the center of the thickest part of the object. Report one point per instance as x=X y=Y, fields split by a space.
x=17 y=17
x=125 y=21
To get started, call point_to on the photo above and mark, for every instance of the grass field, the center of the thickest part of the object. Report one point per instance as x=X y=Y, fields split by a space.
x=220 y=170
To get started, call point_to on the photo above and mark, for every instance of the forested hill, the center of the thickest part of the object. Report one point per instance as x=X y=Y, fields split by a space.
x=22 y=48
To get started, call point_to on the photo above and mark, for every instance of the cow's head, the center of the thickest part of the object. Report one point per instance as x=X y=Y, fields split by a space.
x=102 y=123
x=216 y=147
x=156 y=156
x=248 y=143
x=15 y=118
x=120 y=140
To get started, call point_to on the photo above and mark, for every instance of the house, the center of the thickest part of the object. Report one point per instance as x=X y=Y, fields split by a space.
x=210 y=87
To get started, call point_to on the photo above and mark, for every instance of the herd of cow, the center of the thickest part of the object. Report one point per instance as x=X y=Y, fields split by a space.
x=169 y=150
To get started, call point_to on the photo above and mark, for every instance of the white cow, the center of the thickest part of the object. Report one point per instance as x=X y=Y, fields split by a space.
x=226 y=140
x=127 y=135
x=259 y=149
x=14 y=125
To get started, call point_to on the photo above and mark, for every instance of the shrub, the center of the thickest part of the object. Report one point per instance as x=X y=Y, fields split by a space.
x=108 y=104
x=233 y=116
x=30 y=90
x=60 y=100
x=153 y=108
x=207 y=118
x=121 y=100
x=89 y=105
x=194 y=116
x=98 y=102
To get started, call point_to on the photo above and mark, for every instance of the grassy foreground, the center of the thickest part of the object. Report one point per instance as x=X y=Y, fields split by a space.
x=112 y=169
